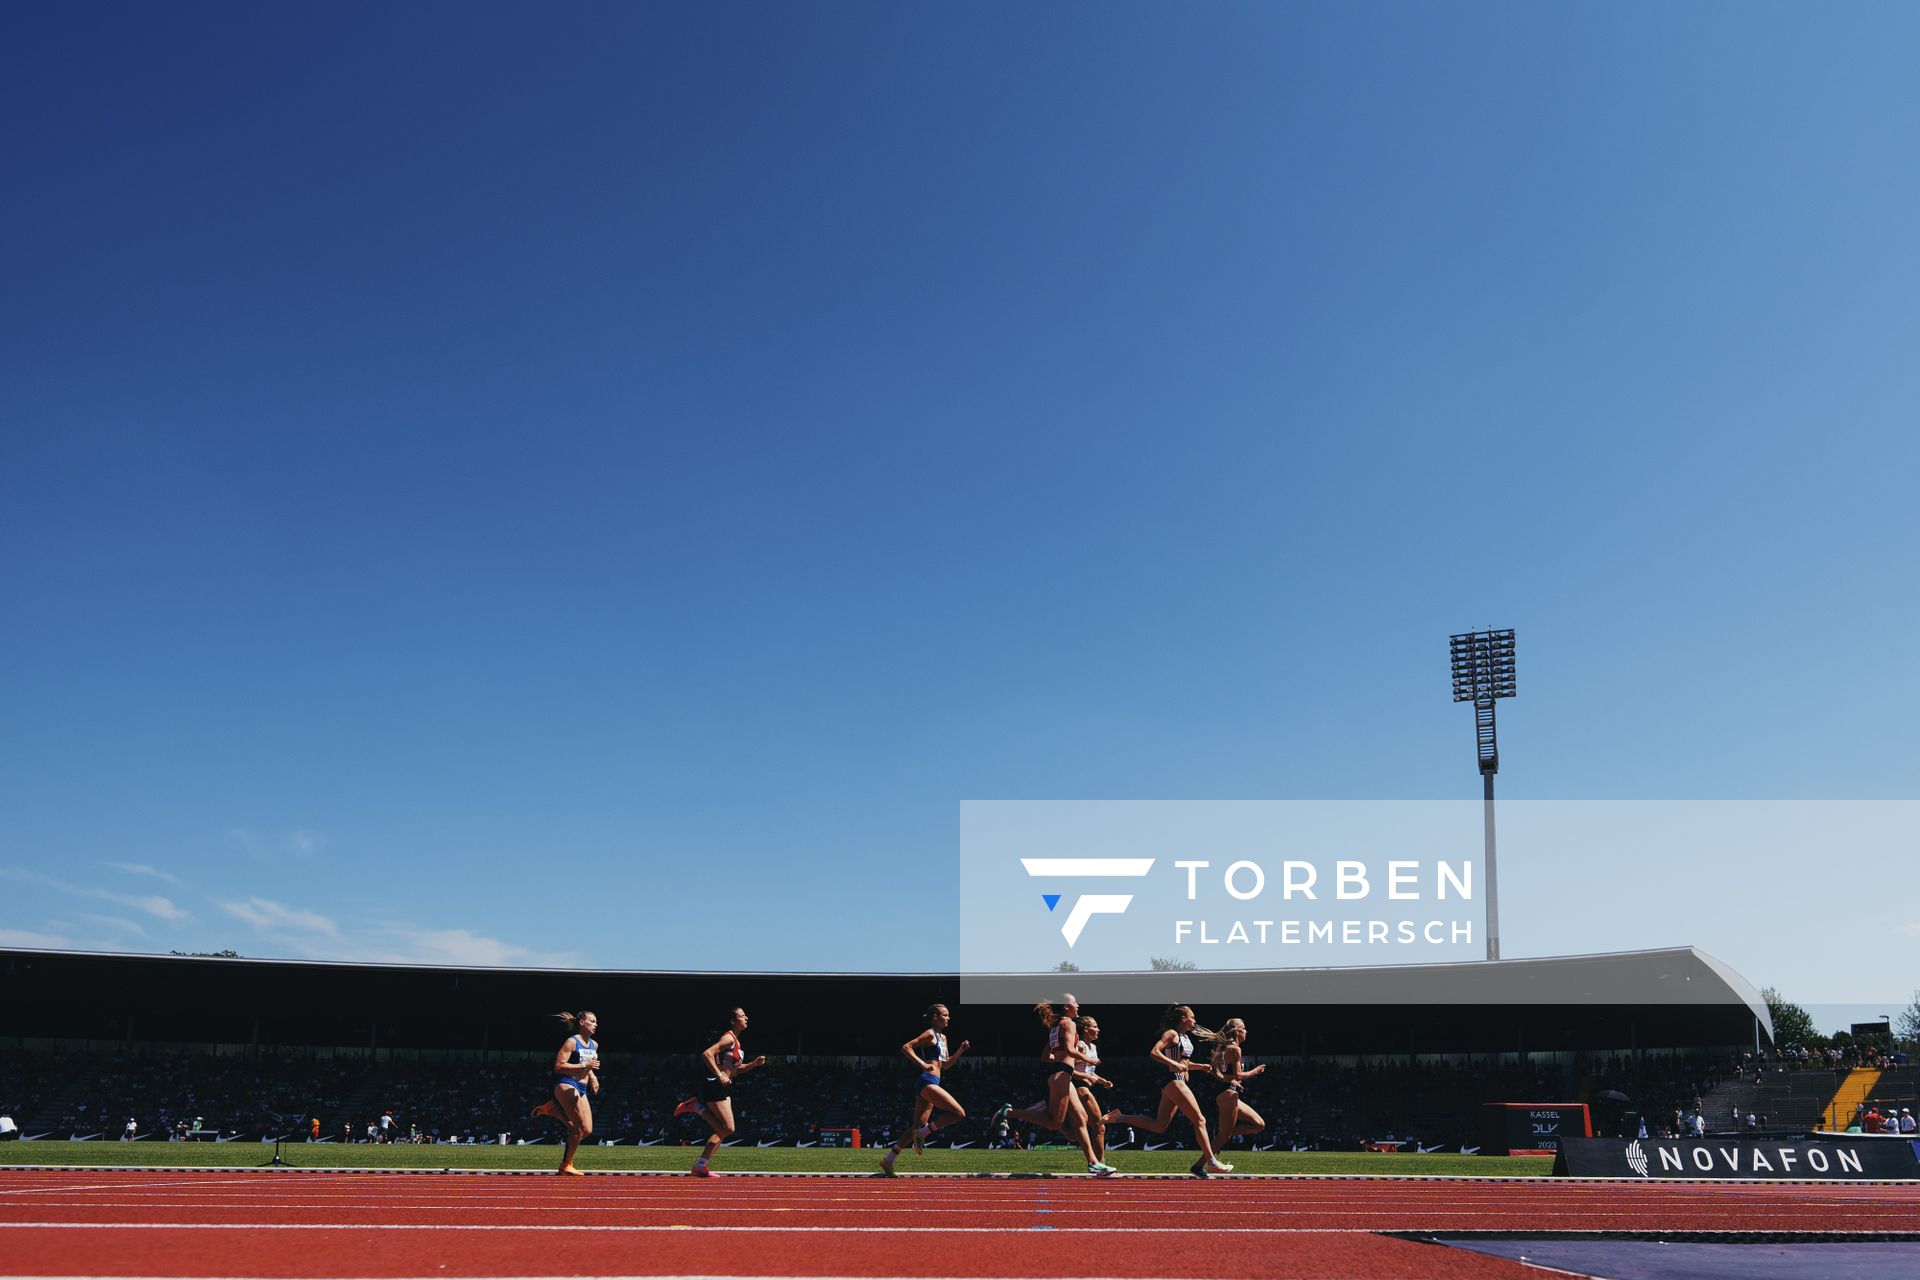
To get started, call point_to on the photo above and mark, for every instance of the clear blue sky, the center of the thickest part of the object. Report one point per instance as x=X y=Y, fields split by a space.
x=506 y=483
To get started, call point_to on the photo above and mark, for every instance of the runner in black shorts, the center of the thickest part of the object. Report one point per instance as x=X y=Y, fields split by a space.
x=1237 y=1119
x=724 y=1059
x=1063 y=1098
x=1174 y=1052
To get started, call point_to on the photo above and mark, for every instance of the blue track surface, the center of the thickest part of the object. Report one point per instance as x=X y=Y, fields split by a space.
x=1653 y=1260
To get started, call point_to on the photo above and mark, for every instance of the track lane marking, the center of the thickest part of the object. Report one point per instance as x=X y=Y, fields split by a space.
x=1782 y=1211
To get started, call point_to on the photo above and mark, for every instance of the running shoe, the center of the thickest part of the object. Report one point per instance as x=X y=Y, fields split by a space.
x=1217 y=1165
x=919 y=1136
x=567 y=1168
x=546 y=1109
x=686 y=1106
x=1198 y=1168
x=1111 y=1116
x=701 y=1171
x=1100 y=1170
x=886 y=1161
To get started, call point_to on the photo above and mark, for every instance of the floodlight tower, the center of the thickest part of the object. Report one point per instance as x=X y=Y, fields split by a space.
x=1482 y=673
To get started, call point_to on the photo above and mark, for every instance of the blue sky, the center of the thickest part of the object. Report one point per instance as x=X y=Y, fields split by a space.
x=492 y=484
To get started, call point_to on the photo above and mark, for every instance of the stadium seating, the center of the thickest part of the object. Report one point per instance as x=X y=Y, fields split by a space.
x=1330 y=1104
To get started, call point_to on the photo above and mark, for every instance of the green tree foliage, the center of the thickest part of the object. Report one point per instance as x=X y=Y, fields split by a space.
x=1166 y=964
x=1066 y=966
x=1792 y=1025
x=1906 y=1024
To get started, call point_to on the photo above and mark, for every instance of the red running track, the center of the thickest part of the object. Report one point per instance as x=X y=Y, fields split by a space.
x=271 y=1223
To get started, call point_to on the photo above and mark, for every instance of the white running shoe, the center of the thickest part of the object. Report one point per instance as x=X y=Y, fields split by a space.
x=1100 y=1170
x=1217 y=1165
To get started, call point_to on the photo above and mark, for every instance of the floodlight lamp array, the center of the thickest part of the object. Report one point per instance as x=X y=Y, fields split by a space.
x=1483 y=665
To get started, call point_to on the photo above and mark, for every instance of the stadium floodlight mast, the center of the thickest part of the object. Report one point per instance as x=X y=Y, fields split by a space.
x=1482 y=674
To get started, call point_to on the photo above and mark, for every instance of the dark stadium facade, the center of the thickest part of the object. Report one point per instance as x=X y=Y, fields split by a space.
x=1681 y=1001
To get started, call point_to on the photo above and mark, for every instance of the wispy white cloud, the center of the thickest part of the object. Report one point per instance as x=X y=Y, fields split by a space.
x=151 y=904
x=266 y=914
x=464 y=947
x=304 y=843
x=1909 y=929
x=28 y=938
x=142 y=869
x=312 y=936
x=116 y=923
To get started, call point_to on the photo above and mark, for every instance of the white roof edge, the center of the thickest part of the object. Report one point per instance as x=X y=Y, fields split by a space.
x=1738 y=985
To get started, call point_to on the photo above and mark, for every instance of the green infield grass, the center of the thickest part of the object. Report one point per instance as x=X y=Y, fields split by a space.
x=544 y=1156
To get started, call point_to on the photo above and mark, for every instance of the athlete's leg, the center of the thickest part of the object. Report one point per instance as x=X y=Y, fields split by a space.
x=1152 y=1124
x=940 y=1108
x=1096 y=1125
x=1228 y=1104
x=579 y=1121
x=1059 y=1095
x=719 y=1115
x=1189 y=1106
x=1036 y=1115
x=1066 y=1100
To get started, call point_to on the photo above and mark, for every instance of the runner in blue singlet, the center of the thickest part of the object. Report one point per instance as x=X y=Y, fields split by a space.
x=575 y=1080
x=933 y=1107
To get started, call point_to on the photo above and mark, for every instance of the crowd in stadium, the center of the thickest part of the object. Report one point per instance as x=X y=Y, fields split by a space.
x=1328 y=1105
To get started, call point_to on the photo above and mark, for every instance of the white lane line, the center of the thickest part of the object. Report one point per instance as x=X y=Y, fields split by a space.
x=118 y=1186
x=688 y=1227
x=1210 y=1196
x=1596 y=1233
x=1401 y=1222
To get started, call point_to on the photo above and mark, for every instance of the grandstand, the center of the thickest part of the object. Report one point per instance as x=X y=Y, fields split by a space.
x=260 y=1048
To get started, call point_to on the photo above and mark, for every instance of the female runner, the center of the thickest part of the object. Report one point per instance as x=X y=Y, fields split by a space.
x=1086 y=1074
x=1237 y=1119
x=933 y=1107
x=1063 y=1097
x=725 y=1060
x=574 y=1079
x=1174 y=1051
x=1086 y=1067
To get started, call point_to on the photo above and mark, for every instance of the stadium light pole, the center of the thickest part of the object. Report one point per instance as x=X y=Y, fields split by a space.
x=1482 y=674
